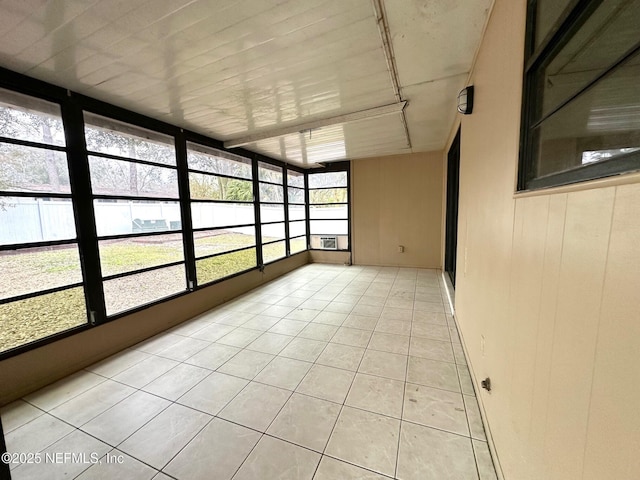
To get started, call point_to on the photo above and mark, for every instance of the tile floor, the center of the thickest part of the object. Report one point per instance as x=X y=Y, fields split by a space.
x=329 y=372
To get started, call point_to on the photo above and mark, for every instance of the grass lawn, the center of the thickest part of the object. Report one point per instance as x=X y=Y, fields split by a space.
x=38 y=317
x=214 y=268
x=33 y=270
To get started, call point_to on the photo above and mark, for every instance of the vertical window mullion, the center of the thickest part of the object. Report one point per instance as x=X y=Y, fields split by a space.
x=79 y=176
x=306 y=208
x=285 y=198
x=256 y=207
x=185 y=211
x=348 y=170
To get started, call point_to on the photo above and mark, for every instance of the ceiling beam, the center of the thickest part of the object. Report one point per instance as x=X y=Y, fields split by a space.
x=387 y=46
x=315 y=124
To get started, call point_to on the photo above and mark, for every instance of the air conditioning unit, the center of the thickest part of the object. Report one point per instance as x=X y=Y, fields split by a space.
x=329 y=243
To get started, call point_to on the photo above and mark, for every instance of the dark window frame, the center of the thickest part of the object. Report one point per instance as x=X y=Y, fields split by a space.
x=191 y=242
x=344 y=166
x=174 y=200
x=73 y=198
x=73 y=107
x=576 y=13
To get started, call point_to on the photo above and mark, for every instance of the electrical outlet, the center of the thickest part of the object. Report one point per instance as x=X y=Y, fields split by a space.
x=400 y=248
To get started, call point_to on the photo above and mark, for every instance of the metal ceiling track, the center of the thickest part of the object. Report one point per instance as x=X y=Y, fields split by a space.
x=385 y=35
x=316 y=124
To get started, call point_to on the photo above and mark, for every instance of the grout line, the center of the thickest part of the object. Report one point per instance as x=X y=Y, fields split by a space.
x=346 y=397
x=404 y=393
x=390 y=282
x=278 y=413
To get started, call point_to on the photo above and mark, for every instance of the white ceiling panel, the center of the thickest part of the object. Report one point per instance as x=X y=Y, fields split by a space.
x=230 y=68
x=16 y=12
x=435 y=39
x=431 y=111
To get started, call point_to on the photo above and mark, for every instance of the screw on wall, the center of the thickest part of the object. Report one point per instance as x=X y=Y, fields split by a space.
x=486 y=384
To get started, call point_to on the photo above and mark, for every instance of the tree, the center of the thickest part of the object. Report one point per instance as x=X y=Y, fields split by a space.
x=119 y=177
x=211 y=185
x=330 y=195
x=239 y=190
x=204 y=187
x=52 y=172
x=271 y=193
x=29 y=168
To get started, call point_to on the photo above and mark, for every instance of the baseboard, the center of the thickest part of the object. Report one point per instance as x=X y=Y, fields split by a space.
x=476 y=386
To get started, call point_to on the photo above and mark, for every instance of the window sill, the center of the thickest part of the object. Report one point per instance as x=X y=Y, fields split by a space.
x=622 y=179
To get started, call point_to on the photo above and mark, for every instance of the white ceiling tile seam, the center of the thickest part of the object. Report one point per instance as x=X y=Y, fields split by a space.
x=387 y=46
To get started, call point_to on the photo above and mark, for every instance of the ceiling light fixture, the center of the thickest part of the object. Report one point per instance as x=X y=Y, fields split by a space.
x=315 y=124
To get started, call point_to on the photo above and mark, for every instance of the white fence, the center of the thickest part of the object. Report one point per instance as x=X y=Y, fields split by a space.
x=28 y=220
x=320 y=226
x=118 y=218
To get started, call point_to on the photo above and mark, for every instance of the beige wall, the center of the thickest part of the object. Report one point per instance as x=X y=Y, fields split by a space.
x=328 y=256
x=397 y=200
x=549 y=284
x=36 y=368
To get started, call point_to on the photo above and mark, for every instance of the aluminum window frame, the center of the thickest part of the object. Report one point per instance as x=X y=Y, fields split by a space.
x=566 y=26
x=133 y=198
x=344 y=166
x=73 y=107
x=73 y=197
x=206 y=149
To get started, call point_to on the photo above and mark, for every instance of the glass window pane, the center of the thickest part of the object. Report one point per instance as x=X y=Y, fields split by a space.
x=331 y=195
x=120 y=217
x=28 y=169
x=273 y=231
x=273 y=251
x=132 y=291
x=210 y=215
x=271 y=213
x=119 y=177
x=328 y=211
x=211 y=187
x=271 y=193
x=109 y=136
x=328 y=227
x=211 y=160
x=136 y=253
x=600 y=125
x=548 y=12
x=297 y=212
x=297 y=228
x=26 y=220
x=38 y=317
x=298 y=244
x=295 y=179
x=269 y=173
x=296 y=195
x=608 y=33
x=209 y=242
x=31 y=270
x=330 y=179
x=31 y=119
x=215 y=268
